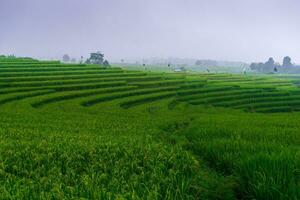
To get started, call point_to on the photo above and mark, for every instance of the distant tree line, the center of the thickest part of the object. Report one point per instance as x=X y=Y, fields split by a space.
x=13 y=58
x=272 y=67
x=218 y=63
x=206 y=63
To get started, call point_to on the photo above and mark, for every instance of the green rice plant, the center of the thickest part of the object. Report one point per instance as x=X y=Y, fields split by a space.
x=70 y=77
x=232 y=101
x=46 y=69
x=87 y=86
x=143 y=79
x=205 y=89
x=257 y=102
x=24 y=96
x=20 y=74
x=293 y=104
x=147 y=138
x=79 y=94
x=191 y=81
x=58 y=83
x=258 y=149
x=158 y=83
x=223 y=93
x=29 y=64
x=18 y=90
x=101 y=99
x=146 y=99
x=70 y=87
x=277 y=109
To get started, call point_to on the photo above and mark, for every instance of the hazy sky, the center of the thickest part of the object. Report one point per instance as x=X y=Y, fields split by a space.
x=240 y=30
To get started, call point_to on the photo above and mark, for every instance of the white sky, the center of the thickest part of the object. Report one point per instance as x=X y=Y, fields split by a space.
x=238 y=30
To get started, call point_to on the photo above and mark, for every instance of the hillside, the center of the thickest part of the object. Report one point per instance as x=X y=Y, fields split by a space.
x=84 y=131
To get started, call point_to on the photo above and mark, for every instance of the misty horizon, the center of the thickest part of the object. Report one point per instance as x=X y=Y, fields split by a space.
x=244 y=31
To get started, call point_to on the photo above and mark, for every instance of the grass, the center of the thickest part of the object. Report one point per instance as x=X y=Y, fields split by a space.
x=86 y=132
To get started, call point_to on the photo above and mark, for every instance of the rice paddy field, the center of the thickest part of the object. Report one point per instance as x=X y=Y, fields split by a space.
x=76 y=131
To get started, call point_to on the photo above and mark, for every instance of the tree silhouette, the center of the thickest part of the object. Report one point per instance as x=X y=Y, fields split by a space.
x=287 y=62
x=66 y=58
x=106 y=63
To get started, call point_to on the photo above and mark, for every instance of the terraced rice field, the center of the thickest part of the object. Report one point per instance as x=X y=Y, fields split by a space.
x=49 y=83
x=71 y=131
x=246 y=93
x=52 y=83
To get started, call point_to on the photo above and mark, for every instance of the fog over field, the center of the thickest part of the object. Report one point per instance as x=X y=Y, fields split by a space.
x=249 y=30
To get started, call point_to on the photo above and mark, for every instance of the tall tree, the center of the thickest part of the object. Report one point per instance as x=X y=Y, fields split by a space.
x=270 y=62
x=287 y=62
x=269 y=65
x=106 y=63
x=66 y=58
x=96 y=58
